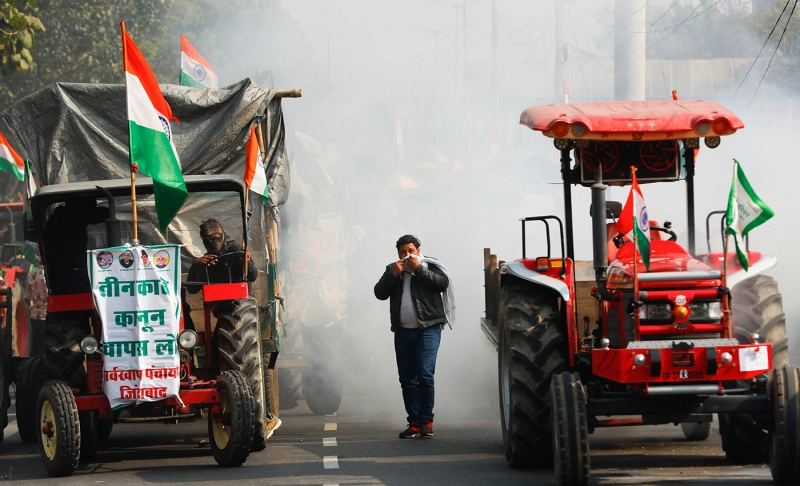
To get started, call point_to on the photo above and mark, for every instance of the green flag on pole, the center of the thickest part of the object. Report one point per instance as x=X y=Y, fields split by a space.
x=746 y=211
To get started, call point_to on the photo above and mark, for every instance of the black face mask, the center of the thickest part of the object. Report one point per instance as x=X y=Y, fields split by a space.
x=214 y=246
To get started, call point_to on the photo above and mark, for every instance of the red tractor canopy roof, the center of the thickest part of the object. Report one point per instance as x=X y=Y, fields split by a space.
x=632 y=120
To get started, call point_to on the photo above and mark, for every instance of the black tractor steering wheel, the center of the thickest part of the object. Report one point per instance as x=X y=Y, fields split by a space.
x=619 y=240
x=667 y=228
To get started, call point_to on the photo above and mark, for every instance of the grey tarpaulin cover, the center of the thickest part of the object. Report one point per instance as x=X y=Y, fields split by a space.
x=79 y=132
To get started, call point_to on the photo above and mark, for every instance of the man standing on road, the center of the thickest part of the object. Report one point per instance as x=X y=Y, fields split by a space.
x=414 y=285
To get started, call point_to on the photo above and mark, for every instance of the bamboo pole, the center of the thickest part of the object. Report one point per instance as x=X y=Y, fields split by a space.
x=288 y=93
x=725 y=301
x=134 y=166
x=635 y=263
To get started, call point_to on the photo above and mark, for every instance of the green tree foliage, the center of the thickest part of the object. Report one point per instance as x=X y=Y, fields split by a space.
x=17 y=35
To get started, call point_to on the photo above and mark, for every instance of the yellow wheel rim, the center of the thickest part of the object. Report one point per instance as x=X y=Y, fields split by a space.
x=222 y=432
x=48 y=430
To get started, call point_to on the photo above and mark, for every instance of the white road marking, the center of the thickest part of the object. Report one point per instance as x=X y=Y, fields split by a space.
x=330 y=426
x=330 y=462
x=329 y=442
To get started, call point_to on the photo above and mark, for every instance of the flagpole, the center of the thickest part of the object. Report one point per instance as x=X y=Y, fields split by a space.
x=725 y=301
x=635 y=259
x=134 y=166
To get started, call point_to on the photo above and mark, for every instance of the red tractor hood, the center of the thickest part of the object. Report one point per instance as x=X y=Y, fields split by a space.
x=665 y=256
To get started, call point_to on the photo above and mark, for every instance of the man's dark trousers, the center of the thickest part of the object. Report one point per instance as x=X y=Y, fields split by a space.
x=416 y=351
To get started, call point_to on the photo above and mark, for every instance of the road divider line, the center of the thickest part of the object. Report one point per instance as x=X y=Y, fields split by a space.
x=329 y=442
x=330 y=462
x=330 y=426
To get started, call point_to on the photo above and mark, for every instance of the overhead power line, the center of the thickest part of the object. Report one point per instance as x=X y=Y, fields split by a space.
x=777 y=21
x=777 y=46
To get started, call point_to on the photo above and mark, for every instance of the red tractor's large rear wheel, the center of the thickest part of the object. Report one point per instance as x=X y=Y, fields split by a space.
x=785 y=454
x=757 y=307
x=531 y=351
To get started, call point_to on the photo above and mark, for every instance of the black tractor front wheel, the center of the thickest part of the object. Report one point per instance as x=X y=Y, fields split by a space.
x=59 y=429
x=230 y=430
x=696 y=431
x=531 y=352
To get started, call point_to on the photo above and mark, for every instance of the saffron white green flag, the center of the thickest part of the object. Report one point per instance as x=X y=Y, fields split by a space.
x=10 y=161
x=634 y=221
x=255 y=175
x=152 y=149
x=195 y=70
x=746 y=211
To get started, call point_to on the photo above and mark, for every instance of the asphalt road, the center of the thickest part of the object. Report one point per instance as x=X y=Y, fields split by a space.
x=359 y=445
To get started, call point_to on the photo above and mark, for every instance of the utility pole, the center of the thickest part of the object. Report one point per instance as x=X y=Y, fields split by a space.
x=495 y=29
x=559 y=54
x=629 y=49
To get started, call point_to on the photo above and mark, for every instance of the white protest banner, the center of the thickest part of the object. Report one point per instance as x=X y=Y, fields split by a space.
x=136 y=292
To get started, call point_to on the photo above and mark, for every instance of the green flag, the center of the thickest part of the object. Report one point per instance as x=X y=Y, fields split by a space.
x=746 y=211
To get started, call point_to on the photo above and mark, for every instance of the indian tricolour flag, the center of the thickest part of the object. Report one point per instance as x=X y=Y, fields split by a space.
x=10 y=161
x=633 y=221
x=745 y=211
x=152 y=148
x=255 y=175
x=195 y=70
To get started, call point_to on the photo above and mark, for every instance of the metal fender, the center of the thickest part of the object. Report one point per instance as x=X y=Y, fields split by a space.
x=762 y=265
x=519 y=270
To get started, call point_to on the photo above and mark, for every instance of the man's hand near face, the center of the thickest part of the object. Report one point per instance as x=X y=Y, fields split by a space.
x=397 y=268
x=208 y=260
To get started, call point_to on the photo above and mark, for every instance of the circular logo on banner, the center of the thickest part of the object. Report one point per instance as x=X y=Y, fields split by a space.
x=644 y=221
x=165 y=126
x=199 y=72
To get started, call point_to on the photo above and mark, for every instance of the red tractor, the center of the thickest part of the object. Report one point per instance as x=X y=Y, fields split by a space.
x=62 y=404
x=579 y=350
x=15 y=336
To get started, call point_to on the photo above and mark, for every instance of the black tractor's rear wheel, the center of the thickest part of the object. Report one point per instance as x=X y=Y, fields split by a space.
x=322 y=373
x=63 y=356
x=531 y=352
x=570 y=429
x=231 y=431
x=5 y=399
x=240 y=350
x=785 y=454
x=31 y=379
x=59 y=429
x=289 y=381
x=757 y=307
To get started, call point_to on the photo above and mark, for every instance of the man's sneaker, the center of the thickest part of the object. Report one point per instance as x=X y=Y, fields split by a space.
x=411 y=432
x=427 y=429
x=272 y=425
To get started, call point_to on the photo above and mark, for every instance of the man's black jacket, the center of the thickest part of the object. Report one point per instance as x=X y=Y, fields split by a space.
x=427 y=285
x=227 y=269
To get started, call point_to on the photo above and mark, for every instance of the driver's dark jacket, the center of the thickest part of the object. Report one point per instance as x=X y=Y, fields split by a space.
x=427 y=285
x=227 y=269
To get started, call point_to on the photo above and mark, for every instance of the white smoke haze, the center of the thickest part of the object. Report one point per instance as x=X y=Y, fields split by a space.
x=400 y=96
